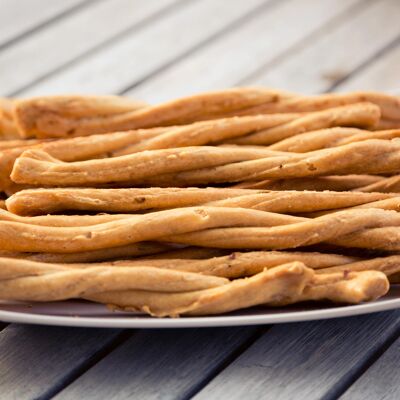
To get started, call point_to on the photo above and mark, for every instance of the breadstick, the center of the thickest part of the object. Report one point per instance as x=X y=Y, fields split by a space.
x=334 y=183
x=349 y=228
x=315 y=140
x=8 y=129
x=16 y=236
x=74 y=149
x=45 y=117
x=389 y=104
x=389 y=265
x=201 y=133
x=286 y=284
x=124 y=252
x=385 y=185
x=382 y=155
x=44 y=201
x=359 y=115
x=350 y=288
x=30 y=281
x=237 y=228
x=63 y=220
x=262 y=288
x=235 y=265
x=38 y=167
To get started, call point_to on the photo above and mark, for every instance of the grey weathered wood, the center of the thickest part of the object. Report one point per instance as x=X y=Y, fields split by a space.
x=312 y=360
x=50 y=48
x=235 y=55
x=35 y=361
x=21 y=16
x=381 y=74
x=143 y=52
x=169 y=364
x=336 y=53
x=381 y=380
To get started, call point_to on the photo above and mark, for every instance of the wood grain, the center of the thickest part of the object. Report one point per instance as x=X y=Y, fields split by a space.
x=381 y=380
x=146 y=50
x=260 y=39
x=311 y=360
x=168 y=364
x=332 y=56
x=58 y=44
x=35 y=361
x=19 y=17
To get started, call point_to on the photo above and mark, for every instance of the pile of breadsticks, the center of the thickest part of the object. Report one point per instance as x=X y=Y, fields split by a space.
x=201 y=205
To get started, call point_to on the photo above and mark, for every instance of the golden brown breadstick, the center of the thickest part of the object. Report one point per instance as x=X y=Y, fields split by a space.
x=385 y=185
x=349 y=228
x=286 y=284
x=359 y=115
x=267 y=286
x=389 y=265
x=334 y=183
x=63 y=220
x=15 y=236
x=383 y=157
x=32 y=281
x=237 y=264
x=332 y=137
x=44 y=201
x=38 y=167
x=8 y=129
x=46 y=110
x=237 y=228
x=201 y=133
x=353 y=287
x=389 y=104
x=124 y=252
x=47 y=116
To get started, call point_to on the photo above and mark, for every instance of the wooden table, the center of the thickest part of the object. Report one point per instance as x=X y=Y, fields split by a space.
x=156 y=50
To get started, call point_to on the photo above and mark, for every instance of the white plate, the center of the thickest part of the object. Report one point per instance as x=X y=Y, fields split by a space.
x=86 y=314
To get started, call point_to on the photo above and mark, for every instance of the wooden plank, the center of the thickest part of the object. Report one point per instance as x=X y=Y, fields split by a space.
x=312 y=360
x=143 y=52
x=19 y=17
x=381 y=380
x=36 y=361
x=382 y=74
x=167 y=364
x=235 y=55
x=48 y=49
x=336 y=53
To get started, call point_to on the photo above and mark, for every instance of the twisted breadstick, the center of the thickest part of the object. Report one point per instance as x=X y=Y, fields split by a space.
x=237 y=228
x=37 y=167
x=47 y=116
x=235 y=265
x=31 y=281
x=333 y=183
x=201 y=165
x=389 y=265
x=359 y=115
x=286 y=284
x=140 y=249
x=45 y=201
x=201 y=133
x=386 y=185
x=389 y=105
x=332 y=137
x=383 y=156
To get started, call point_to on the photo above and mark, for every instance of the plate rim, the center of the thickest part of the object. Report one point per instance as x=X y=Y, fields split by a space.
x=130 y=322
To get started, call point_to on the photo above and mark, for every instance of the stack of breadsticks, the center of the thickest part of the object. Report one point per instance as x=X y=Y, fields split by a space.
x=202 y=205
